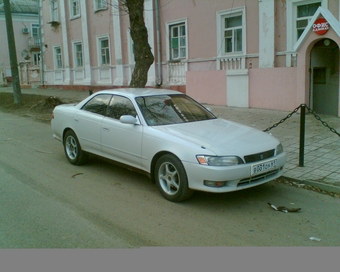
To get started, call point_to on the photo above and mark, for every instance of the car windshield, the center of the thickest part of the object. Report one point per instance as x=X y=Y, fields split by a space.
x=172 y=109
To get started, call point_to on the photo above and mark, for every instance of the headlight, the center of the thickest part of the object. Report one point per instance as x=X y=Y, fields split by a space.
x=279 y=149
x=219 y=161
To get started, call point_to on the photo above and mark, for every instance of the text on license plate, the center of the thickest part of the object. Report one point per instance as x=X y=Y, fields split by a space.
x=263 y=167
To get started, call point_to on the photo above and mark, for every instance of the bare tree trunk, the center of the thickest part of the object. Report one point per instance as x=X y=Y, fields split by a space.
x=142 y=50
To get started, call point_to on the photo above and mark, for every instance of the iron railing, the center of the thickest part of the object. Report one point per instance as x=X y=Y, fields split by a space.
x=302 y=109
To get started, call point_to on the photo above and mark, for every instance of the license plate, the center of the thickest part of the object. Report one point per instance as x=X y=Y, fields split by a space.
x=263 y=167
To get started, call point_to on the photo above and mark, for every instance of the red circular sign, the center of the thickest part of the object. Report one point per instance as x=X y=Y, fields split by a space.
x=320 y=26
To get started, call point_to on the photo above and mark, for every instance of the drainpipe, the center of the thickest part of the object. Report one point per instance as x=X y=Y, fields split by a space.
x=42 y=79
x=159 y=49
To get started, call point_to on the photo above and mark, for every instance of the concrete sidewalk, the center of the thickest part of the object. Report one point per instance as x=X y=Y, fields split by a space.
x=322 y=146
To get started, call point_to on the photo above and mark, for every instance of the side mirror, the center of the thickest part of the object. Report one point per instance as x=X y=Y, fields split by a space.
x=128 y=119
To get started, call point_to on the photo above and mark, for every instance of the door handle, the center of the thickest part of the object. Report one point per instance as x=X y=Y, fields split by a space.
x=106 y=129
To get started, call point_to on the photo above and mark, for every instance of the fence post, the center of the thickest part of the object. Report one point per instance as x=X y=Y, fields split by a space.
x=302 y=135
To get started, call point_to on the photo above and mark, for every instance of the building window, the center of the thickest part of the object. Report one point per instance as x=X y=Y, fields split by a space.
x=178 y=41
x=75 y=9
x=319 y=75
x=36 y=58
x=54 y=11
x=104 y=51
x=299 y=14
x=232 y=38
x=35 y=30
x=100 y=4
x=78 y=54
x=57 y=57
x=231 y=29
x=304 y=14
x=35 y=34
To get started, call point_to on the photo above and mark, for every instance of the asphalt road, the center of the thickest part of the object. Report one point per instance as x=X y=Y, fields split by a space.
x=45 y=202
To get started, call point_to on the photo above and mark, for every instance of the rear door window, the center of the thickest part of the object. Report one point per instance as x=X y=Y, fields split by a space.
x=98 y=104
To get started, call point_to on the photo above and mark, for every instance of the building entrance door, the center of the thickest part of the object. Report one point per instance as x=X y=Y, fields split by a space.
x=324 y=93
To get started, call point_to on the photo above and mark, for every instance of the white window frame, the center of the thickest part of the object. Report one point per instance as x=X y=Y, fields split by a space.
x=100 y=53
x=170 y=25
x=74 y=9
x=100 y=5
x=35 y=58
x=292 y=17
x=54 y=11
x=181 y=48
x=35 y=34
x=57 y=57
x=308 y=18
x=220 y=17
x=76 y=58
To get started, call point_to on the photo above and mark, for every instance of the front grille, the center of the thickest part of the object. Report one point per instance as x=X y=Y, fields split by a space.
x=259 y=156
x=257 y=178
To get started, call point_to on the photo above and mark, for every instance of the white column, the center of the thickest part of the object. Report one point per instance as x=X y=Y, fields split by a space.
x=149 y=22
x=119 y=80
x=66 y=55
x=86 y=46
x=266 y=33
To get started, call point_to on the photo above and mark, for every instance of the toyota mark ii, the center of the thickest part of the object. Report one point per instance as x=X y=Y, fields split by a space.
x=178 y=142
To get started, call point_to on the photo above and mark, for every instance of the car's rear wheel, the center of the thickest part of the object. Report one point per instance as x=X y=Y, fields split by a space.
x=171 y=178
x=74 y=154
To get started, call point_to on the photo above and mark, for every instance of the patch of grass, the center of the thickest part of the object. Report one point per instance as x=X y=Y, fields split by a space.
x=37 y=106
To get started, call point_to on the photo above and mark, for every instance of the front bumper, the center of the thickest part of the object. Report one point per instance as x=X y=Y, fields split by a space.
x=235 y=177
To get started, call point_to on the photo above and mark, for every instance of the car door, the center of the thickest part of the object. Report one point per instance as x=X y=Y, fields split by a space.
x=88 y=122
x=121 y=142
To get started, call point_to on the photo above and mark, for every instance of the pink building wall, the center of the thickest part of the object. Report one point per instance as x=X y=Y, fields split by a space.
x=273 y=88
x=268 y=88
x=204 y=73
x=207 y=86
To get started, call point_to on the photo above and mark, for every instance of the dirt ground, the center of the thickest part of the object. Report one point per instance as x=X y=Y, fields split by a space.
x=48 y=203
x=38 y=107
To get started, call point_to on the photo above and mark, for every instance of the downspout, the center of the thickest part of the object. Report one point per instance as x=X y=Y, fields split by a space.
x=159 y=49
x=42 y=79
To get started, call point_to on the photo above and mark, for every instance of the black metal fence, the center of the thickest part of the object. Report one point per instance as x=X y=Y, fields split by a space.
x=302 y=109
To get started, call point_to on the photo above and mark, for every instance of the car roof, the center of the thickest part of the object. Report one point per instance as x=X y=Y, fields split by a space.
x=136 y=92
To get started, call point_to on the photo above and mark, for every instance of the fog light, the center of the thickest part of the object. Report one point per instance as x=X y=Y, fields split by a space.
x=214 y=183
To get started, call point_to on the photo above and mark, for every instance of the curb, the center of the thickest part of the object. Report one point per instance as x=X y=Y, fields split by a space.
x=314 y=184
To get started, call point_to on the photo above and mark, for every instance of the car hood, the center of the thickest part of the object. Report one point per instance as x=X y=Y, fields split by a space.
x=222 y=137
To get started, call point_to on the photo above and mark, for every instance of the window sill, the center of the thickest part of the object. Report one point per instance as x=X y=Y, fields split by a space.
x=176 y=60
x=100 y=9
x=75 y=17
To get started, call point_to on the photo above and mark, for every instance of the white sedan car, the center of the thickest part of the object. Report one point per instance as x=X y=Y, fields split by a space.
x=180 y=144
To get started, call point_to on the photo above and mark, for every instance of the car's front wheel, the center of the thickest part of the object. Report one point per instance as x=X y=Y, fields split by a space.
x=74 y=154
x=171 y=178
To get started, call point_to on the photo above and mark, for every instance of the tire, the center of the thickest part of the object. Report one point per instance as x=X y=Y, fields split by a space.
x=74 y=154
x=171 y=179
